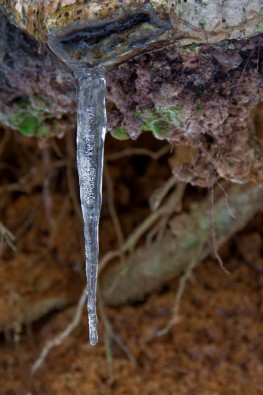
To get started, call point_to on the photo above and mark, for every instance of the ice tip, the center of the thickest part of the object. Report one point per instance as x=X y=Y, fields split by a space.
x=93 y=332
x=93 y=336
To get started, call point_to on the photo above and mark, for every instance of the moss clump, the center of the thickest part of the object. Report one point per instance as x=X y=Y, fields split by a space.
x=161 y=121
x=120 y=133
x=31 y=117
x=29 y=124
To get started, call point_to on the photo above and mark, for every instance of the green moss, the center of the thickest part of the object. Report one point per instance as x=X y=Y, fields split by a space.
x=156 y=125
x=30 y=115
x=120 y=133
x=29 y=124
x=172 y=115
x=161 y=121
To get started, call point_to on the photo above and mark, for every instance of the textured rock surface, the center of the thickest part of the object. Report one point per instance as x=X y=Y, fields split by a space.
x=201 y=21
x=35 y=16
x=216 y=20
x=201 y=102
x=204 y=99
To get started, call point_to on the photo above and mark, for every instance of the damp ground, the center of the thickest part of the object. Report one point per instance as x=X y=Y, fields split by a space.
x=215 y=348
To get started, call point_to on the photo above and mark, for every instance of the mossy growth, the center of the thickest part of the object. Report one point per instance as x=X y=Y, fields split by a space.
x=29 y=124
x=29 y=118
x=120 y=133
x=161 y=121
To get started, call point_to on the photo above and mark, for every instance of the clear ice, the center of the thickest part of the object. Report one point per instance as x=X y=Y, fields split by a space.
x=82 y=47
x=91 y=130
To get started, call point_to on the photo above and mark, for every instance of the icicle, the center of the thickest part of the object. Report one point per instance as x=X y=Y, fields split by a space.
x=91 y=130
x=83 y=45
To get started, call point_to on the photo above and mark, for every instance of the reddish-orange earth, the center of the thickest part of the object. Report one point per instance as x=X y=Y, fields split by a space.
x=215 y=349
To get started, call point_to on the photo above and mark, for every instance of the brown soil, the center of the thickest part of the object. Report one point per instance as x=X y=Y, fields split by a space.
x=216 y=347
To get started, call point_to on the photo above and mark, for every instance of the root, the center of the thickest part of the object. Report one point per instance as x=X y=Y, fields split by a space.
x=6 y=237
x=47 y=196
x=160 y=193
x=110 y=336
x=178 y=298
x=188 y=273
x=74 y=323
x=138 y=151
x=213 y=232
x=226 y=195
x=112 y=209
x=148 y=269
x=70 y=143
x=63 y=335
x=246 y=198
x=167 y=208
x=109 y=333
